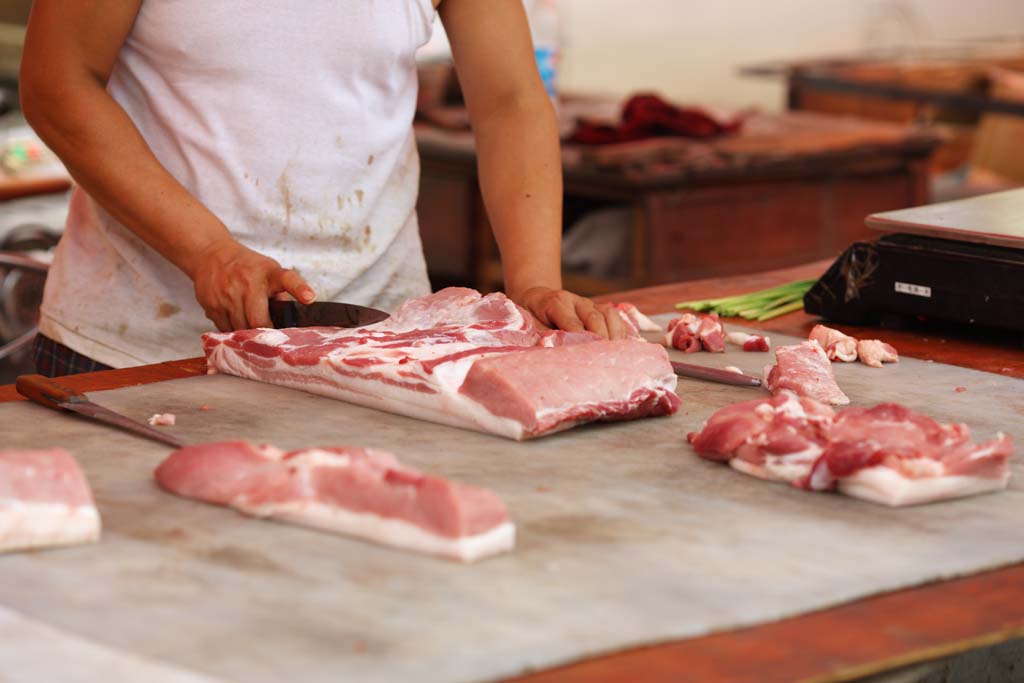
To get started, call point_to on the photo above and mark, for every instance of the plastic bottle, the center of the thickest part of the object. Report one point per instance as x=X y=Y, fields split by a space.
x=543 y=17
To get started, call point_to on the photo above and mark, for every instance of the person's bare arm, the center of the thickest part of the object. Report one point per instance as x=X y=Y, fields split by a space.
x=70 y=49
x=518 y=156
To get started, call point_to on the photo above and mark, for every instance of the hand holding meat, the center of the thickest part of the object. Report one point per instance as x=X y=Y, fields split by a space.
x=233 y=284
x=563 y=310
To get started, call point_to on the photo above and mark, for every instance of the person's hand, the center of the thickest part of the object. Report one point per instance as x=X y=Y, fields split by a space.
x=562 y=310
x=233 y=284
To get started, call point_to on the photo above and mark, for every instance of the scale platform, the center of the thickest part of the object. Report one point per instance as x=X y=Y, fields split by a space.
x=959 y=261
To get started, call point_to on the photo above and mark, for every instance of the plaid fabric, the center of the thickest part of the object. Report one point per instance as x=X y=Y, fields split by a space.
x=53 y=359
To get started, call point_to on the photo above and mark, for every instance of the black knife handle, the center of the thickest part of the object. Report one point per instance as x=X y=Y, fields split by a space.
x=46 y=392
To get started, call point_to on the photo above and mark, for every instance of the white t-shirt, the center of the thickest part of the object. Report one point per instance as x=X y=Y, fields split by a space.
x=290 y=121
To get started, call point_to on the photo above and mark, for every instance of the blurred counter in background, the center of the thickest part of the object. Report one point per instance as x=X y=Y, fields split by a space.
x=788 y=188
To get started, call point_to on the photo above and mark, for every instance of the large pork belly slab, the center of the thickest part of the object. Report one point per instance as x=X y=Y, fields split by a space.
x=45 y=500
x=461 y=359
x=358 y=492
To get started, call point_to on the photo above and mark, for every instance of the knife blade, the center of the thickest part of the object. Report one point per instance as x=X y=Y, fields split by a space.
x=322 y=314
x=50 y=394
x=715 y=375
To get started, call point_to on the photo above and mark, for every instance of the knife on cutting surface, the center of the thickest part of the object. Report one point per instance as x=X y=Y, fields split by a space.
x=50 y=394
x=322 y=314
x=715 y=375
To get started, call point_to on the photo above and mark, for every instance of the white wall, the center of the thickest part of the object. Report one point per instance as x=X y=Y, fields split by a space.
x=690 y=50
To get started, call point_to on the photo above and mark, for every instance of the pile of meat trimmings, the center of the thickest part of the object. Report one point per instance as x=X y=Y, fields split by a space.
x=887 y=454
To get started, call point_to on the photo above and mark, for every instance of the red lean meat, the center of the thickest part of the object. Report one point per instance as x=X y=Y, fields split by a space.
x=804 y=370
x=352 y=491
x=639 y=322
x=749 y=342
x=45 y=500
x=778 y=438
x=891 y=455
x=689 y=333
x=837 y=345
x=887 y=454
x=460 y=359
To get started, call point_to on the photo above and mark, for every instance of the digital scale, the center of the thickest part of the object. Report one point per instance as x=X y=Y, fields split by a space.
x=959 y=261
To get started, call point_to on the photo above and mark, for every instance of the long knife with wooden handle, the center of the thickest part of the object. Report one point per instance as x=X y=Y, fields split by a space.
x=50 y=394
x=715 y=375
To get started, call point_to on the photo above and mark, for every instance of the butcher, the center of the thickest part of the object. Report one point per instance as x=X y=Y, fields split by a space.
x=225 y=153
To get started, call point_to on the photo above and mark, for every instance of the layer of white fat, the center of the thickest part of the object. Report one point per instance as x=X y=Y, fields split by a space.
x=447 y=406
x=786 y=467
x=392 y=532
x=271 y=337
x=26 y=525
x=886 y=486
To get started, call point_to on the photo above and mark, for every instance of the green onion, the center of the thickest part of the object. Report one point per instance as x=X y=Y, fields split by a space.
x=761 y=305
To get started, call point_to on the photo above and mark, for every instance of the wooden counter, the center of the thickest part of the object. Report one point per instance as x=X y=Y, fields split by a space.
x=867 y=636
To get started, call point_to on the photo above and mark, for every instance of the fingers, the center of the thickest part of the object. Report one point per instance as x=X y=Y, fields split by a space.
x=257 y=312
x=560 y=313
x=293 y=283
x=617 y=327
x=219 y=320
x=591 y=317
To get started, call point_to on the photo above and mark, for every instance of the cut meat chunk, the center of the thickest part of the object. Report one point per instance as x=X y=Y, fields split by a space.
x=543 y=390
x=690 y=333
x=892 y=455
x=45 y=500
x=804 y=370
x=163 y=420
x=357 y=492
x=749 y=342
x=837 y=345
x=416 y=363
x=873 y=353
x=640 y=322
x=778 y=438
x=887 y=454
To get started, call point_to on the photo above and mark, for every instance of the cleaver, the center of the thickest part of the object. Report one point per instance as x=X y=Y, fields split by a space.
x=322 y=314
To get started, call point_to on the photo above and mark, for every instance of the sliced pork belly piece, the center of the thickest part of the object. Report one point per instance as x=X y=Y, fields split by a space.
x=416 y=362
x=892 y=455
x=691 y=333
x=873 y=353
x=357 y=492
x=778 y=438
x=45 y=500
x=549 y=390
x=640 y=322
x=749 y=342
x=805 y=370
x=837 y=345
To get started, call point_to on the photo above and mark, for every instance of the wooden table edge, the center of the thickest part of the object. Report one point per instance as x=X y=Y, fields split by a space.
x=832 y=645
x=922 y=623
